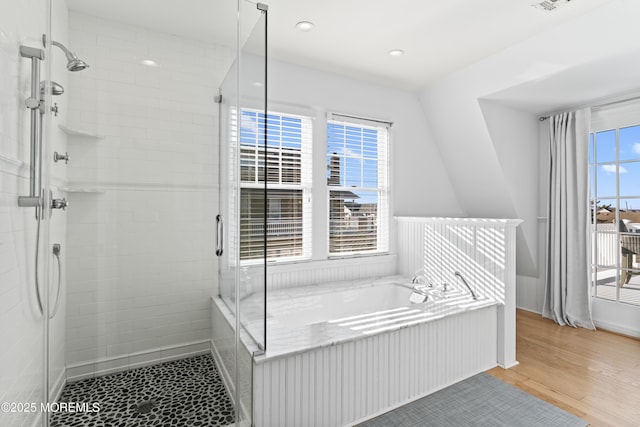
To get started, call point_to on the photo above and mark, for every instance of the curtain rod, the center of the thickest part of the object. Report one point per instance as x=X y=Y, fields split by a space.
x=600 y=103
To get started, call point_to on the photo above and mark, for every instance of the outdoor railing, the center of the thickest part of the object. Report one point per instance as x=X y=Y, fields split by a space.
x=274 y=228
x=605 y=245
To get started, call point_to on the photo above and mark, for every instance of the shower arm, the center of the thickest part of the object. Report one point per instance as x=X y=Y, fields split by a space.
x=34 y=103
x=61 y=46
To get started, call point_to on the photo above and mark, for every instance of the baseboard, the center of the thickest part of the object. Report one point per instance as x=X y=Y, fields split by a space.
x=530 y=310
x=509 y=366
x=617 y=329
x=603 y=326
x=110 y=365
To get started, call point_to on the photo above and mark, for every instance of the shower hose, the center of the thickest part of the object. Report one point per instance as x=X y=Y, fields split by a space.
x=56 y=253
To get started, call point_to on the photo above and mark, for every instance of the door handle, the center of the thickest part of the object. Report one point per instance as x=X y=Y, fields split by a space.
x=220 y=235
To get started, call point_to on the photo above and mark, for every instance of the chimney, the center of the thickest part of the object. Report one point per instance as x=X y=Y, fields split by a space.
x=334 y=170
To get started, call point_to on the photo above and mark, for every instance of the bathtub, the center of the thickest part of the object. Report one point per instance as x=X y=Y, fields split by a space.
x=338 y=354
x=329 y=304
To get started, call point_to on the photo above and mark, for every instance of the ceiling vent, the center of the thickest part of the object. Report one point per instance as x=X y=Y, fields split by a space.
x=549 y=5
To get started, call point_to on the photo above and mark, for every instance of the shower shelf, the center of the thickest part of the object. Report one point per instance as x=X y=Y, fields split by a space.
x=79 y=132
x=82 y=190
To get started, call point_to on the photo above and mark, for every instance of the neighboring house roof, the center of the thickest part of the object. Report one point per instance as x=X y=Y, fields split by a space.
x=608 y=216
x=344 y=195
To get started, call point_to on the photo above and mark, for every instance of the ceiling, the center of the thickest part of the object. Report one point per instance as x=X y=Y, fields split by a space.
x=353 y=37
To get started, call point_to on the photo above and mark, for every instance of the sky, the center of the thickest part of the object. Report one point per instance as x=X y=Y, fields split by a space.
x=609 y=171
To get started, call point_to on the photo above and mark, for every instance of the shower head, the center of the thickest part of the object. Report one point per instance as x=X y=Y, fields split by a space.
x=73 y=62
x=56 y=88
x=76 y=64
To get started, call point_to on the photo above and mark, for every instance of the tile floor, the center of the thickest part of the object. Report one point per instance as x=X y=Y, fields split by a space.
x=186 y=392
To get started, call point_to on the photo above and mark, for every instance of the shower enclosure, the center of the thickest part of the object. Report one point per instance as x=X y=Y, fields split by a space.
x=242 y=279
x=137 y=159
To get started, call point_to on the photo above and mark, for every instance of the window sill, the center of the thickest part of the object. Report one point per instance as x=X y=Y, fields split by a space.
x=358 y=255
x=294 y=261
x=329 y=261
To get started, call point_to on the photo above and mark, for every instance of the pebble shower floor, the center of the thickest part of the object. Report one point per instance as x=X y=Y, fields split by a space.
x=186 y=392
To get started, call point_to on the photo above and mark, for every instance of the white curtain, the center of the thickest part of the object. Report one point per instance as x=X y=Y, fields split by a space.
x=567 y=299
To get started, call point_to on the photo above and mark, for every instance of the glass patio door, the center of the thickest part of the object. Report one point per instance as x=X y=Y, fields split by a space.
x=614 y=162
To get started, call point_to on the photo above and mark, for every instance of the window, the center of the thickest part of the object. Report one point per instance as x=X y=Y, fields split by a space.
x=358 y=187
x=614 y=166
x=287 y=157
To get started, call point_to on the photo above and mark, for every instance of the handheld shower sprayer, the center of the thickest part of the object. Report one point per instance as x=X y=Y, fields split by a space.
x=35 y=103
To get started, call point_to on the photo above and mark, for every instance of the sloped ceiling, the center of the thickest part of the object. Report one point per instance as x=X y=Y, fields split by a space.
x=353 y=37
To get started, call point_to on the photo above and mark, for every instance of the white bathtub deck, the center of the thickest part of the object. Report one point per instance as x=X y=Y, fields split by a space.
x=293 y=326
x=344 y=382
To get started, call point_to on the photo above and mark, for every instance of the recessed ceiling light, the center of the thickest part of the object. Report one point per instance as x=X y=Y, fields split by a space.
x=305 y=25
x=396 y=52
x=149 y=63
x=549 y=5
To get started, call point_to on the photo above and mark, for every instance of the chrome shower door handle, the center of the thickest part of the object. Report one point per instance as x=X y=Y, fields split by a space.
x=219 y=235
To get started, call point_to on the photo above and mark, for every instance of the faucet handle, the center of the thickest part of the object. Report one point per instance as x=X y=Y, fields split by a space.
x=420 y=280
x=57 y=157
x=59 y=204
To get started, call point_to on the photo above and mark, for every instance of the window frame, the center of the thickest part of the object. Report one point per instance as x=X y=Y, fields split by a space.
x=609 y=119
x=383 y=204
x=305 y=185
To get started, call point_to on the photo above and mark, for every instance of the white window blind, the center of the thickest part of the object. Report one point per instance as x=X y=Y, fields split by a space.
x=285 y=162
x=357 y=179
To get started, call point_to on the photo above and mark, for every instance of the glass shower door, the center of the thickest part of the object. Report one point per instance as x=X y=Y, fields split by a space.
x=241 y=221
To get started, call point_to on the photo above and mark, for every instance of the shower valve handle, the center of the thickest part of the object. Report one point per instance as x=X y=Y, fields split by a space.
x=57 y=157
x=59 y=204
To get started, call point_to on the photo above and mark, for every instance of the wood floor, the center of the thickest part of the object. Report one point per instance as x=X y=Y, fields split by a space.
x=594 y=375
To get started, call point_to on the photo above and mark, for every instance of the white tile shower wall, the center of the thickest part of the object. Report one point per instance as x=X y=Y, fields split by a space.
x=21 y=326
x=57 y=141
x=141 y=263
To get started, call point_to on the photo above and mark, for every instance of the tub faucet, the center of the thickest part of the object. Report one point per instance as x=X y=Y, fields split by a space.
x=458 y=275
x=417 y=280
x=421 y=279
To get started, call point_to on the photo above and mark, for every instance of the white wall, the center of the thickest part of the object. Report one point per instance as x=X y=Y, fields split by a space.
x=484 y=118
x=21 y=325
x=420 y=183
x=141 y=266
